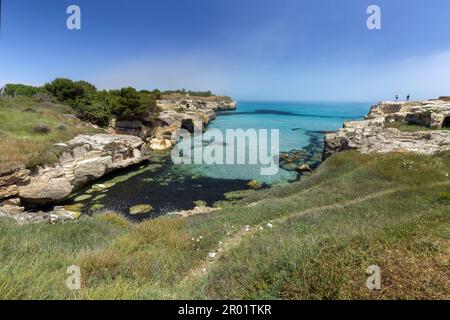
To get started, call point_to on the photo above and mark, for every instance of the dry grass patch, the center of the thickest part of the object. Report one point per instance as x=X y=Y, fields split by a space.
x=30 y=128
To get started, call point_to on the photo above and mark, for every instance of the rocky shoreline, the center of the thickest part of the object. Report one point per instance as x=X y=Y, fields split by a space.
x=89 y=157
x=427 y=124
x=307 y=159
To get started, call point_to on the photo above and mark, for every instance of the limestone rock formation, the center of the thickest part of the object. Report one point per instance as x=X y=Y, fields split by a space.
x=160 y=144
x=374 y=134
x=83 y=159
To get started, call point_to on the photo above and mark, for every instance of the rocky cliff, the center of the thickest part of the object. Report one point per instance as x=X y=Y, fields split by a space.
x=177 y=112
x=190 y=113
x=378 y=132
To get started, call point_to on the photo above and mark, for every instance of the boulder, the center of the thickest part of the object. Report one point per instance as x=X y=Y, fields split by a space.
x=11 y=209
x=47 y=186
x=11 y=202
x=11 y=181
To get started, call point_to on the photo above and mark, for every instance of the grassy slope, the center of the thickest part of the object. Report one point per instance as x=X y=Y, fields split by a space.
x=355 y=211
x=18 y=141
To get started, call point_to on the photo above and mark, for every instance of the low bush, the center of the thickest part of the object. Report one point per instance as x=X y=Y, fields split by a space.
x=444 y=197
x=41 y=128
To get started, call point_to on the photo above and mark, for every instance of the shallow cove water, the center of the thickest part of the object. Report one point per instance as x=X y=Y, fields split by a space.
x=167 y=187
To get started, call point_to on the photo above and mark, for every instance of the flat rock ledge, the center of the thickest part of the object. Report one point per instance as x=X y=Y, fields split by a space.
x=374 y=134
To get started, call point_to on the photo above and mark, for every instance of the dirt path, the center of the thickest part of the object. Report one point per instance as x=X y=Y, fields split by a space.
x=249 y=231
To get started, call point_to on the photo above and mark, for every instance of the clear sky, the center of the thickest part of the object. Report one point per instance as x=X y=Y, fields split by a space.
x=249 y=49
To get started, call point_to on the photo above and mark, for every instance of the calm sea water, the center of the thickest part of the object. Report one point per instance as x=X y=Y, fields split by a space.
x=295 y=122
x=167 y=187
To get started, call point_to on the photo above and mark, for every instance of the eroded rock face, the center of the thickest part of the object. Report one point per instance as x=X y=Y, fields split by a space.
x=10 y=182
x=83 y=159
x=374 y=135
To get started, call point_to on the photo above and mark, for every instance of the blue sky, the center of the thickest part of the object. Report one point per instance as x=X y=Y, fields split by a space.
x=250 y=49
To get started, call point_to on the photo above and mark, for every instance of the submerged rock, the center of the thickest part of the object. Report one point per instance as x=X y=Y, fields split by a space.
x=99 y=187
x=97 y=207
x=74 y=207
x=99 y=197
x=160 y=144
x=83 y=197
x=288 y=166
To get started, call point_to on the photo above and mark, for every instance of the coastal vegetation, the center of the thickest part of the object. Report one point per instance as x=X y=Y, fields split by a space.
x=313 y=239
x=100 y=106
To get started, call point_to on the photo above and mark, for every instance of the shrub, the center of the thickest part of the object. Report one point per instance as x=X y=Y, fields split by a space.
x=98 y=109
x=13 y=90
x=91 y=105
x=254 y=185
x=68 y=91
x=191 y=93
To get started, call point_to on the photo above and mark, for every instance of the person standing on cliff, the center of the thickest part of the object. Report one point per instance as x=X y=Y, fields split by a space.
x=408 y=97
x=396 y=97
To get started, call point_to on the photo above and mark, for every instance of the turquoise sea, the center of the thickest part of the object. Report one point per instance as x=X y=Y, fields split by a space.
x=296 y=123
x=168 y=187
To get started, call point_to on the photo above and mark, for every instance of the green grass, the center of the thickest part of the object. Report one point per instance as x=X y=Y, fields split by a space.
x=354 y=211
x=20 y=144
